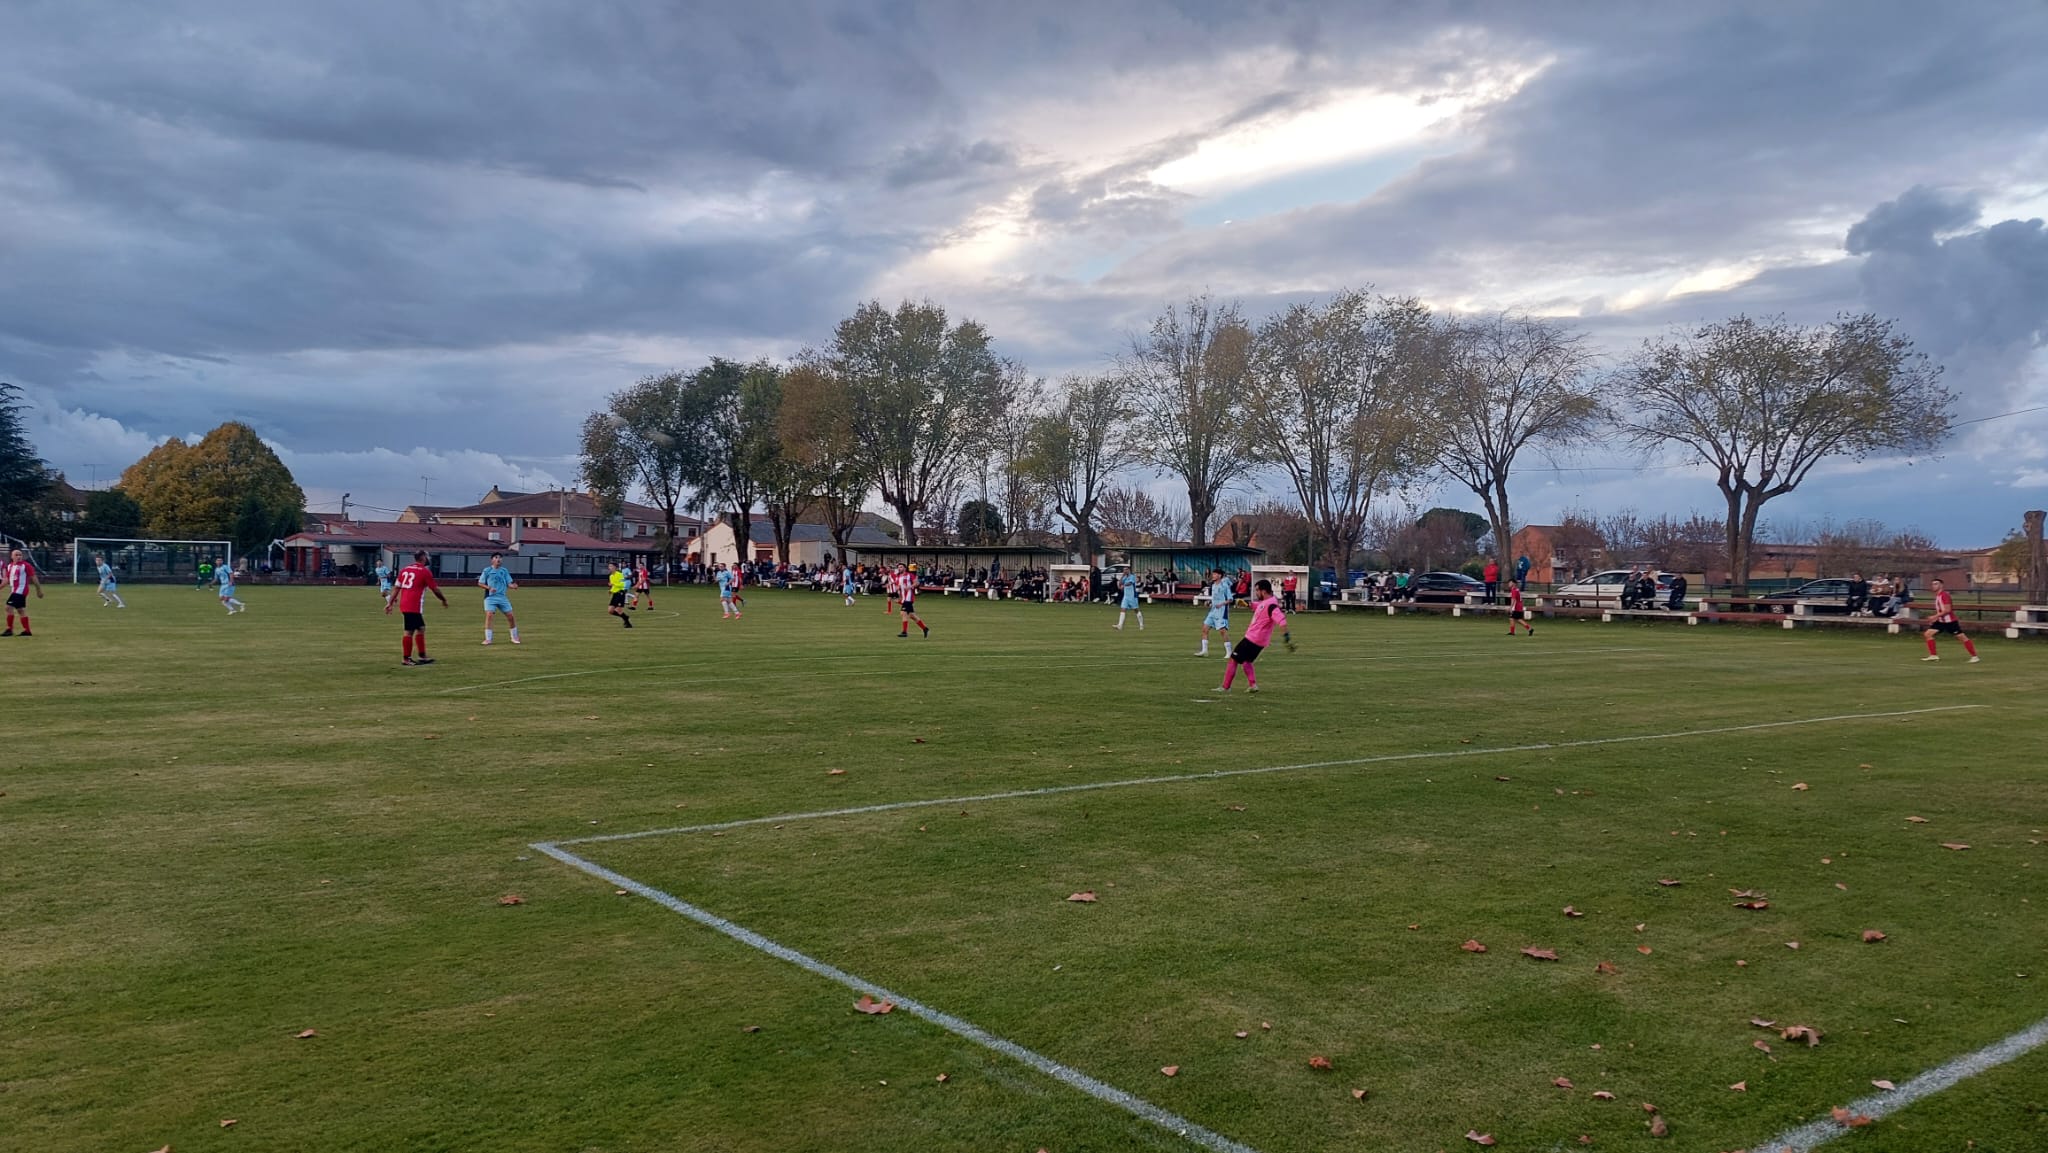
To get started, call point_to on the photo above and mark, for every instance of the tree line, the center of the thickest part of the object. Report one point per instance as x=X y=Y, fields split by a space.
x=1346 y=399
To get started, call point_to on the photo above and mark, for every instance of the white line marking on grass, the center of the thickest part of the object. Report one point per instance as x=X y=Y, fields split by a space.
x=1927 y=1084
x=1218 y=774
x=1065 y=1074
x=1433 y=656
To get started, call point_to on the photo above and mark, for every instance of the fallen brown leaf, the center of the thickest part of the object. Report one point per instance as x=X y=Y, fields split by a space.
x=1849 y=1120
x=1540 y=954
x=869 y=1005
x=1240 y=1034
x=1800 y=787
x=1887 y=1086
x=1917 y=820
x=1643 y=949
x=1585 y=1138
x=1649 y=1108
x=1602 y=1095
x=1606 y=968
x=1841 y=886
x=1659 y=1127
x=1472 y=1135
x=1668 y=883
x=511 y=899
x=1642 y=926
x=1266 y=1026
x=750 y=1028
x=229 y=1122
x=1872 y=936
x=943 y=1078
x=1412 y=928
x=917 y=740
x=1085 y=897
x=835 y=772
x=1806 y=1033
x=1791 y=944
x=1760 y=1044
x=1358 y=1094
x=1760 y=1023
x=1956 y=845
x=1235 y=808
x=1571 y=912
x=1740 y=1086
x=306 y=1034
x=1742 y=964
x=1752 y=904
x=1319 y=1063
x=1562 y=1082
x=1473 y=947
x=1741 y=894
x=1864 y=765
x=1170 y=1070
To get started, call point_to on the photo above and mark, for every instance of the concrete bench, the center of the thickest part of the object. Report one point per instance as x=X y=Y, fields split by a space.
x=1611 y=615
x=2027 y=620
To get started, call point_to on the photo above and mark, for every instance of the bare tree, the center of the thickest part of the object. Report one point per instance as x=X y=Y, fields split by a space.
x=1329 y=408
x=923 y=392
x=1075 y=449
x=1578 y=545
x=1763 y=401
x=1129 y=516
x=1186 y=377
x=1495 y=385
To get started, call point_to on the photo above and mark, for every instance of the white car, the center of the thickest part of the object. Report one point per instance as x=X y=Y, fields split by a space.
x=1604 y=590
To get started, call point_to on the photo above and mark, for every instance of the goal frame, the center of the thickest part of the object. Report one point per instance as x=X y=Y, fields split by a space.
x=79 y=551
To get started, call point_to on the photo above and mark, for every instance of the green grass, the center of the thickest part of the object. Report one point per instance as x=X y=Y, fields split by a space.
x=218 y=832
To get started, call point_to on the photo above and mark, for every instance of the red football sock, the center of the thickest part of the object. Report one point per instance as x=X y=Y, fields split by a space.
x=407 y=646
x=1930 y=646
x=24 y=622
x=1230 y=673
x=419 y=647
x=1969 y=646
x=1251 y=678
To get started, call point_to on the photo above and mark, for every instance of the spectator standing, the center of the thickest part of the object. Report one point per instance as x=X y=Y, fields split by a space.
x=1491 y=575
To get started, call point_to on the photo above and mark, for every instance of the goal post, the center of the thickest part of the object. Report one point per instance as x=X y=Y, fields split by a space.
x=146 y=559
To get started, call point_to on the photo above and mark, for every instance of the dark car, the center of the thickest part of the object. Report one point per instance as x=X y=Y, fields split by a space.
x=1445 y=587
x=1830 y=594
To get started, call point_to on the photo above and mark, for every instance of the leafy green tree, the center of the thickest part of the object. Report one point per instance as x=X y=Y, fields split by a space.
x=924 y=393
x=645 y=436
x=815 y=426
x=981 y=523
x=204 y=490
x=1072 y=452
x=724 y=476
x=1763 y=401
x=24 y=478
x=111 y=513
x=1187 y=377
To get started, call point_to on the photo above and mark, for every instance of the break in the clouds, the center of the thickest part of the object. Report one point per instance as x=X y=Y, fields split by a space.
x=413 y=240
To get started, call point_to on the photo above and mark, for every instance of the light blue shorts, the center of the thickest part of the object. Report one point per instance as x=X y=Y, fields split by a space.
x=1218 y=618
x=1130 y=602
x=226 y=591
x=498 y=604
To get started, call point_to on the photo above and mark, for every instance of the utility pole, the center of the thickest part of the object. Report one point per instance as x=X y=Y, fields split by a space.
x=424 y=494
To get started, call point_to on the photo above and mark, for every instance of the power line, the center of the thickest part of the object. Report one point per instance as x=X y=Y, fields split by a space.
x=2003 y=415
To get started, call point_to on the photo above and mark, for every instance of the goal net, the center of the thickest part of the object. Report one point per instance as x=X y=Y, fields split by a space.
x=147 y=560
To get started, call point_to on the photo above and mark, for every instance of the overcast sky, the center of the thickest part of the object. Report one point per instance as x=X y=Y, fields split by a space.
x=410 y=239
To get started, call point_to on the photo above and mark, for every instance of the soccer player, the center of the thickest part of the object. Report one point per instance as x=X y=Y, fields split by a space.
x=906 y=594
x=1220 y=591
x=497 y=582
x=383 y=577
x=1266 y=616
x=226 y=575
x=21 y=576
x=1945 y=621
x=1517 y=615
x=205 y=576
x=409 y=594
x=643 y=586
x=849 y=584
x=617 y=583
x=109 y=593
x=892 y=588
x=1130 y=602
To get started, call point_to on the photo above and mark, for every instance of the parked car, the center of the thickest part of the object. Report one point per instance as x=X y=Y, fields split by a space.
x=1830 y=591
x=1445 y=587
x=1604 y=590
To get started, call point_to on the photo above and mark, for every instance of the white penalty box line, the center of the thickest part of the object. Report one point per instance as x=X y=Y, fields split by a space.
x=1797 y=1141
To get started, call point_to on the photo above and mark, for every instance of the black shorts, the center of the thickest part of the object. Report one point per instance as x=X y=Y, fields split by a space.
x=1246 y=652
x=415 y=622
x=17 y=600
x=618 y=599
x=1950 y=628
x=910 y=605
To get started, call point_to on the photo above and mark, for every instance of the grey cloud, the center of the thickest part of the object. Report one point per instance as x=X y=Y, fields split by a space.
x=947 y=158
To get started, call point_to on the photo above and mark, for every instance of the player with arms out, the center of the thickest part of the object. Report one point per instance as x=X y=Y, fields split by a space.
x=497 y=583
x=110 y=593
x=226 y=575
x=1266 y=616
x=409 y=595
x=1218 y=618
x=1517 y=615
x=21 y=576
x=1946 y=621
x=906 y=595
x=1129 y=603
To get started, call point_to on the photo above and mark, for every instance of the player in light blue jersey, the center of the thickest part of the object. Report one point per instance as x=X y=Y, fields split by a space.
x=109 y=594
x=497 y=583
x=1130 y=602
x=850 y=584
x=225 y=574
x=728 y=592
x=383 y=580
x=1220 y=592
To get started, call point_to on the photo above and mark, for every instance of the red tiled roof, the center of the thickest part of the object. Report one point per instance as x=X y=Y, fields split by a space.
x=452 y=538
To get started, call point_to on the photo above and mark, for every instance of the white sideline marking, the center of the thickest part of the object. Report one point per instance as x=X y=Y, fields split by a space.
x=1927 y=1084
x=1218 y=774
x=1432 y=655
x=1065 y=1074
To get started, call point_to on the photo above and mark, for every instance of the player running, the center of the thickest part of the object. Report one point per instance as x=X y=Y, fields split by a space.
x=226 y=575
x=497 y=582
x=409 y=594
x=1517 y=615
x=849 y=584
x=1130 y=603
x=383 y=578
x=643 y=586
x=906 y=595
x=110 y=594
x=1220 y=592
x=1945 y=621
x=1266 y=616
x=726 y=579
x=616 y=582
x=21 y=575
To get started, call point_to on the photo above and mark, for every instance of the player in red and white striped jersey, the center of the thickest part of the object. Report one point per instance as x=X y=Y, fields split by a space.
x=21 y=576
x=906 y=593
x=1945 y=621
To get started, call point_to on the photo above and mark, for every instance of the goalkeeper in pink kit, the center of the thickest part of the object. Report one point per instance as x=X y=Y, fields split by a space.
x=1266 y=616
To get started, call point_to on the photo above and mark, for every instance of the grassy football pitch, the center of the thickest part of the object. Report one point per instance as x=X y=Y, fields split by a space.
x=219 y=833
